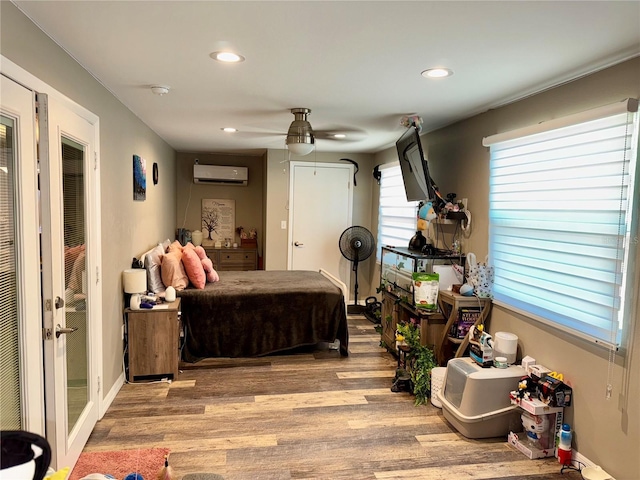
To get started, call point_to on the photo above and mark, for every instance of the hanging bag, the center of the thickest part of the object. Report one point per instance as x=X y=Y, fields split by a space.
x=480 y=276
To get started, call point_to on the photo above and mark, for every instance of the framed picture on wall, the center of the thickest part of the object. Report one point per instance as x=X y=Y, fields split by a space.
x=218 y=220
x=139 y=178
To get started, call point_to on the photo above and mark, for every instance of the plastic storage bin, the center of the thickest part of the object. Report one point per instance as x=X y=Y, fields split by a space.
x=475 y=400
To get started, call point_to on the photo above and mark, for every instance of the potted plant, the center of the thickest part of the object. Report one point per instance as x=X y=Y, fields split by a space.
x=420 y=360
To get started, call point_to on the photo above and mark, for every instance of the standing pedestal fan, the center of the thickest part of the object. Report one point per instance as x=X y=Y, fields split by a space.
x=356 y=244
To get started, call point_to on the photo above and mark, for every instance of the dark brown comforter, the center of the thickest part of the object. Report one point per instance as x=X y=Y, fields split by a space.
x=255 y=313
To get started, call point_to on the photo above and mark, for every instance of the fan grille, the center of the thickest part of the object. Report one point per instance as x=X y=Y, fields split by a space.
x=356 y=243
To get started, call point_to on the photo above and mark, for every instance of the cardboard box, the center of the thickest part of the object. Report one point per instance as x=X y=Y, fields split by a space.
x=554 y=392
x=528 y=450
x=538 y=372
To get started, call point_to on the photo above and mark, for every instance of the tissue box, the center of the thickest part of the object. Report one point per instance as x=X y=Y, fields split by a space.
x=554 y=392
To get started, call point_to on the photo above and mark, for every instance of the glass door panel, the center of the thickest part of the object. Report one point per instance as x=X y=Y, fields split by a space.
x=75 y=273
x=11 y=418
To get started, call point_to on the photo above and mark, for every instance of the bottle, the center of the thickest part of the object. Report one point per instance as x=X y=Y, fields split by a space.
x=564 y=445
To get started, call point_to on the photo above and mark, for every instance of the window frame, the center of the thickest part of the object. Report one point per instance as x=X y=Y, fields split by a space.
x=393 y=196
x=507 y=296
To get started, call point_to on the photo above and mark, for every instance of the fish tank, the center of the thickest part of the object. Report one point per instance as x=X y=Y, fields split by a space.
x=398 y=265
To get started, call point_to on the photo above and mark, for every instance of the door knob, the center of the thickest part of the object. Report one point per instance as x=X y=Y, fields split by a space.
x=60 y=330
x=298 y=244
x=59 y=303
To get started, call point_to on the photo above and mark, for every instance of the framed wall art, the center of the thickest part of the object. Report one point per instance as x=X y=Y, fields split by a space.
x=218 y=220
x=139 y=178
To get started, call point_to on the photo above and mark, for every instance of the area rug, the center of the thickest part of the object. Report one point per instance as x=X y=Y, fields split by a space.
x=145 y=461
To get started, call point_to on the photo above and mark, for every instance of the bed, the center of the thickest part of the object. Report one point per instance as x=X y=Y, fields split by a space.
x=248 y=314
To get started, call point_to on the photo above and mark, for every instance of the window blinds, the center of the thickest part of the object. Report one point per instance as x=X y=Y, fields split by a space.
x=560 y=220
x=396 y=216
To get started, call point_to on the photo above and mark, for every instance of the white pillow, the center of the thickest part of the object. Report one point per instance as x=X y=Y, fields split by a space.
x=152 y=262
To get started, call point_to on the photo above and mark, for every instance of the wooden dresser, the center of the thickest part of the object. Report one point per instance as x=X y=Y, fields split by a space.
x=240 y=258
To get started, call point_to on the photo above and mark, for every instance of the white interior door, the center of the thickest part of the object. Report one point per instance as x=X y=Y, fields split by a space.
x=22 y=394
x=320 y=206
x=70 y=277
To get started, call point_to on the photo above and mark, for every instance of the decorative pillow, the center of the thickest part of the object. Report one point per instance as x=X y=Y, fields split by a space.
x=193 y=267
x=75 y=279
x=70 y=257
x=189 y=245
x=212 y=275
x=201 y=252
x=153 y=263
x=173 y=272
x=165 y=244
x=174 y=247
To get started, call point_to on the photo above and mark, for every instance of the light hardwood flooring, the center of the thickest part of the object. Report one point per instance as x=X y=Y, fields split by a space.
x=309 y=415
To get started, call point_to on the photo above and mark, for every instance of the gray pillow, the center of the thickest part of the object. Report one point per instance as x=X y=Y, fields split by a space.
x=152 y=262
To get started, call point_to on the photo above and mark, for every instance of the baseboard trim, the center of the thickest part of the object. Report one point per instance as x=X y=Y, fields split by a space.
x=111 y=395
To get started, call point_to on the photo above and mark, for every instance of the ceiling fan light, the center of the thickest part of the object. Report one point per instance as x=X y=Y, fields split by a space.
x=300 y=137
x=300 y=149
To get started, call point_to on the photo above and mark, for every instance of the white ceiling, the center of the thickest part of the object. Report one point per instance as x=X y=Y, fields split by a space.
x=355 y=64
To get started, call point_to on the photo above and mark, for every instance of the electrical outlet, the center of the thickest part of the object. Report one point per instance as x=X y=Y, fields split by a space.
x=123 y=331
x=283 y=224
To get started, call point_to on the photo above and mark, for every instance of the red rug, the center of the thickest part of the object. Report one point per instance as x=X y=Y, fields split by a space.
x=145 y=461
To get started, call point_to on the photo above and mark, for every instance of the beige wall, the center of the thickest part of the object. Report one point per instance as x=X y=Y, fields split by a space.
x=249 y=199
x=277 y=198
x=607 y=432
x=128 y=228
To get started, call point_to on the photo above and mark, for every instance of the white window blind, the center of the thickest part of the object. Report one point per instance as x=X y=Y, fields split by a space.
x=560 y=218
x=396 y=216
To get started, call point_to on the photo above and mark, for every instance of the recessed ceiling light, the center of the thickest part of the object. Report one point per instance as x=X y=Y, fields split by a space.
x=229 y=129
x=437 y=73
x=339 y=135
x=227 y=57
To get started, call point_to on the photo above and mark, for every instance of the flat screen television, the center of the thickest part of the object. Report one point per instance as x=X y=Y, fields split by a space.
x=418 y=185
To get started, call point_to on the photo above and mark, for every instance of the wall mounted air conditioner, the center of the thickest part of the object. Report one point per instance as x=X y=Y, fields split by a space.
x=220 y=175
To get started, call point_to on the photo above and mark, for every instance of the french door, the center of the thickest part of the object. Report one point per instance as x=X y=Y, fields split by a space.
x=56 y=272
x=21 y=392
x=69 y=277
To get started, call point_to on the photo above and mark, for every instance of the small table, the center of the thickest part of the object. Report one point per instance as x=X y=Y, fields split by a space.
x=450 y=304
x=153 y=340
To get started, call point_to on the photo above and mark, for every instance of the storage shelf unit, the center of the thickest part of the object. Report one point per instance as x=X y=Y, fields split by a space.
x=450 y=304
x=395 y=310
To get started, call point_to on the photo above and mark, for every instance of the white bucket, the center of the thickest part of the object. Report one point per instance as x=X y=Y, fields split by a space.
x=505 y=344
x=437 y=380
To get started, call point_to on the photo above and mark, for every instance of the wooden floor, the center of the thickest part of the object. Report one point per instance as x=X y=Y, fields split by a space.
x=312 y=415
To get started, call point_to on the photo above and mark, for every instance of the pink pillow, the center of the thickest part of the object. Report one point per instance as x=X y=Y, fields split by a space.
x=70 y=256
x=193 y=267
x=173 y=272
x=212 y=275
x=201 y=253
x=189 y=245
x=75 y=280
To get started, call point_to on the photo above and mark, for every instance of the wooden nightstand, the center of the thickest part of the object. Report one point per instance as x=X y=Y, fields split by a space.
x=153 y=337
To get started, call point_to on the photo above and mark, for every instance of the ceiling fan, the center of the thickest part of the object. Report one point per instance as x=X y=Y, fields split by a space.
x=301 y=138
